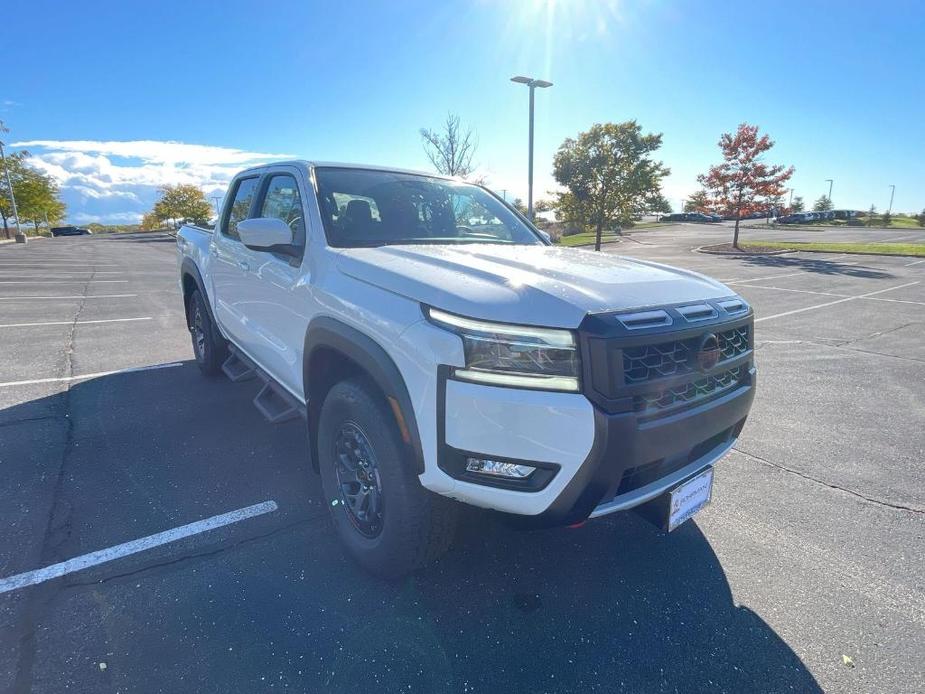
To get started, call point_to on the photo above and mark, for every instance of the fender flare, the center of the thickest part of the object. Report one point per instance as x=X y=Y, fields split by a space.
x=325 y=332
x=189 y=267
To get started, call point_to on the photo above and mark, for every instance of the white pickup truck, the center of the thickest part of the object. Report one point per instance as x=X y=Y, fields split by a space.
x=441 y=351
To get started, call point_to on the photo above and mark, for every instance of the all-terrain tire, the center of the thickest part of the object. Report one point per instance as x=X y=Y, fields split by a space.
x=416 y=525
x=209 y=346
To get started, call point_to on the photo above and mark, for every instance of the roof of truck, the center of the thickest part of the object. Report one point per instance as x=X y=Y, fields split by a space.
x=344 y=165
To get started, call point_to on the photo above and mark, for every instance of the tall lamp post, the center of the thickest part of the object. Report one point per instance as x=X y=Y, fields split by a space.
x=533 y=84
x=20 y=237
x=892 y=192
x=829 y=181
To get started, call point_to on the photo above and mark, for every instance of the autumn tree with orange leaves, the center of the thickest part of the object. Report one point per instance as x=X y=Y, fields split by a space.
x=743 y=181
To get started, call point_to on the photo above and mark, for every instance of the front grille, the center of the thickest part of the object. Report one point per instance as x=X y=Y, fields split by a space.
x=674 y=358
x=658 y=401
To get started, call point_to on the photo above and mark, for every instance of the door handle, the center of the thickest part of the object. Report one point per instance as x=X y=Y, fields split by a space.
x=213 y=250
x=244 y=266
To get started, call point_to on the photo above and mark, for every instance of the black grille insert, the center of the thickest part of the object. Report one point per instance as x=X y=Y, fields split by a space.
x=676 y=358
x=657 y=402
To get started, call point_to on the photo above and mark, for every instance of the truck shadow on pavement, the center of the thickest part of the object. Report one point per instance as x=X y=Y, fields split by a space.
x=611 y=606
x=816 y=266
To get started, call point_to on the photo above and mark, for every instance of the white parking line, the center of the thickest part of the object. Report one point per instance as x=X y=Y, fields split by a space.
x=47 y=281
x=70 y=322
x=98 y=374
x=61 y=275
x=767 y=277
x=68 y=296
x=914 y=262
x=832 y=303
x=863 y=298
x=85 y=561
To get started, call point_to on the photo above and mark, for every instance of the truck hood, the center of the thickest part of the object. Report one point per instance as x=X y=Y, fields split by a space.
x=538 y=285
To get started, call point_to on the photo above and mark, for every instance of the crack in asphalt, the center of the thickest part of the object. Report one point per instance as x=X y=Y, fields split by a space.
x=186 y=558
x=830 y=485
x=56 y=529
x=845 y=345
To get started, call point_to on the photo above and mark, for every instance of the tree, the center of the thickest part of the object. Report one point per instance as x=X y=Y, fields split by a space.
x=737 y=186
x=150 y=222
x=697 y=202
x=797 y=204
x=608 y=175
x=886 y=218
x=920 y=218
x=658 y=204
x=451 y=148
x=182 y=203
x=36 y=194
x=823 y=204
x=15 y=165
x=37 y=198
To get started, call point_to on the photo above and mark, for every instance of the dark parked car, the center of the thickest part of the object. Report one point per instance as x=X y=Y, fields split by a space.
x=699 y=217
x=675 y=217
x=70 y=231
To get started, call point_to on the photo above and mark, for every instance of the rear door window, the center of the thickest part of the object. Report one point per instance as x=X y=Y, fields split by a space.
x=240 y=207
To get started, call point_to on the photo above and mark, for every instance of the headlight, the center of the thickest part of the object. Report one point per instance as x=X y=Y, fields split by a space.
x=519 y=356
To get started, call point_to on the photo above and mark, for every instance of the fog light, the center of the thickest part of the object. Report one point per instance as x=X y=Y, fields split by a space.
x=499 y=469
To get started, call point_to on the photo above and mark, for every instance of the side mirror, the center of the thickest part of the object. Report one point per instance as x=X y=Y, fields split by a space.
x=545 y=235
x=266 y=234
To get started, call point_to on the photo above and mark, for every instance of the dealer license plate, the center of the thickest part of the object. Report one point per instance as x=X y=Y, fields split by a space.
x=689 y=498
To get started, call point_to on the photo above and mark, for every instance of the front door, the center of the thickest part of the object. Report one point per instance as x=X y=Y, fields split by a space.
x=275 y=309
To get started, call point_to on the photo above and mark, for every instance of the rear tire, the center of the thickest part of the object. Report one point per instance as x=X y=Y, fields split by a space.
x=209 y=347
x=387 y=521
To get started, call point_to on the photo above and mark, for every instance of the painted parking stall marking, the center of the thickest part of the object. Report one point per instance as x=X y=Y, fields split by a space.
x=80 y=322
x=98 y=374
x=85 y=561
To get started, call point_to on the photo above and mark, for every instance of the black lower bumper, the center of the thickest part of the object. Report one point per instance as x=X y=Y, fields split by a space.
x=628 y=453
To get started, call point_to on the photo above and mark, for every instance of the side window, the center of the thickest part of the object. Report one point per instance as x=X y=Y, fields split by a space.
x=282 y=200
x=240 y=206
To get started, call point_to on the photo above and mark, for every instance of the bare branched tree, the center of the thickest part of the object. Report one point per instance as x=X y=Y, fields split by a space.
x=451 y=148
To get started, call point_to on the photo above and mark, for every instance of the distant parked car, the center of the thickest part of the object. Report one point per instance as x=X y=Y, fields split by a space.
x=789 y=219
x=70 y=231
x=699 y=217
x=675 y=217
x=715 y=217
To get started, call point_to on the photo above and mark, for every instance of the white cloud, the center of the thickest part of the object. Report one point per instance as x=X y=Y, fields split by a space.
x=107 y=181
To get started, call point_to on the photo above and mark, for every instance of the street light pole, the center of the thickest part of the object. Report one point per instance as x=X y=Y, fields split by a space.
x=829 y=181
x=790 y=202
x=20 y=237
x=892 y=191
x=532 y=84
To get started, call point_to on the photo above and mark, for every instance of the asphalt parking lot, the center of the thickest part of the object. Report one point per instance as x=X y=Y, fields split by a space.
x=805 y=573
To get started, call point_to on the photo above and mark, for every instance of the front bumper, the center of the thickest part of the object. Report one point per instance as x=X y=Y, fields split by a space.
x=591 y=462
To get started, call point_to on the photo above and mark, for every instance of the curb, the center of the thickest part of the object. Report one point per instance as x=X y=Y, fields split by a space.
x=703 y=249
x=782 y=251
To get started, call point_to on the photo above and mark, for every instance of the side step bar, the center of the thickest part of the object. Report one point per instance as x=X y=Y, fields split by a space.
x=274 y=402
x=237 y=367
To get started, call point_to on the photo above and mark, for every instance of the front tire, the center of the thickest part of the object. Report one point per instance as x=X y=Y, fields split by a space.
x=209 y=348
x=386 y=520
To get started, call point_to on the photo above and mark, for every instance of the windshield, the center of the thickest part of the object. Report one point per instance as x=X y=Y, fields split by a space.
x=361 y=207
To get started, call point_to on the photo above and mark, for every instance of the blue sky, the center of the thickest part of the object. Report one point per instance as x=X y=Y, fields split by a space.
x=100 y=89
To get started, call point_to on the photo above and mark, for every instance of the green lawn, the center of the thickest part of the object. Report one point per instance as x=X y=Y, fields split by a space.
x=857 y=223
x=586 y=239
x=917 y=249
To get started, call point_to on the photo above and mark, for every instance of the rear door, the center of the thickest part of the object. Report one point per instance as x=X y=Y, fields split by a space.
x=229 y=260
x=275 y=310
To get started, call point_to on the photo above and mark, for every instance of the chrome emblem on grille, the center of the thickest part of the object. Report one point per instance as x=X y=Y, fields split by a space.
x=707 y=354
